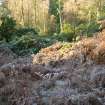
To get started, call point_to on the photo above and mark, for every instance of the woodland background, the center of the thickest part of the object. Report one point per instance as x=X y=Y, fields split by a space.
x=29 y=25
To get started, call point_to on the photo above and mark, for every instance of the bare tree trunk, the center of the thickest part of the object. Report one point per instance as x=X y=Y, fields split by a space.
x=22 y=10
x=35 y=10
x=60 y=17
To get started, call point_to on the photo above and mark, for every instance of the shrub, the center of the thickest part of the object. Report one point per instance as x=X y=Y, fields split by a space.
x=29 y=44
x=67 y=32
x=82 y=28
x=7 y=28
x=67 y=37
x=86 y=29
x=67 y=28
x=24 y=31
x=93 y=27
x=25 y=42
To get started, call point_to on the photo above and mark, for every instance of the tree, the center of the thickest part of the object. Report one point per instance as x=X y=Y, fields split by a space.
x=56 y=7
x=30 y=13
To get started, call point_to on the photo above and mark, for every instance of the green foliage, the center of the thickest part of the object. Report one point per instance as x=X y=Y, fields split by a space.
x=82 y=28
x=4 y=11
x=64 y=27
x=29 y=43
x=56 y=7
x=67 y=32
x=68 y=28
x=23 y=45
x=92 y=28
x=87 y=29
x=24 y=31
x=66 y=37
x=25 y=42
x=7 y=28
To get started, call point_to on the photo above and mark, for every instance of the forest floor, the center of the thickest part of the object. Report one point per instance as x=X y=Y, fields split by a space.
x=62 y=74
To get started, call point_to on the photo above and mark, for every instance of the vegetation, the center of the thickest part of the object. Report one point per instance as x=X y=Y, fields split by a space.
x=23 y=29
x=52 y=52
